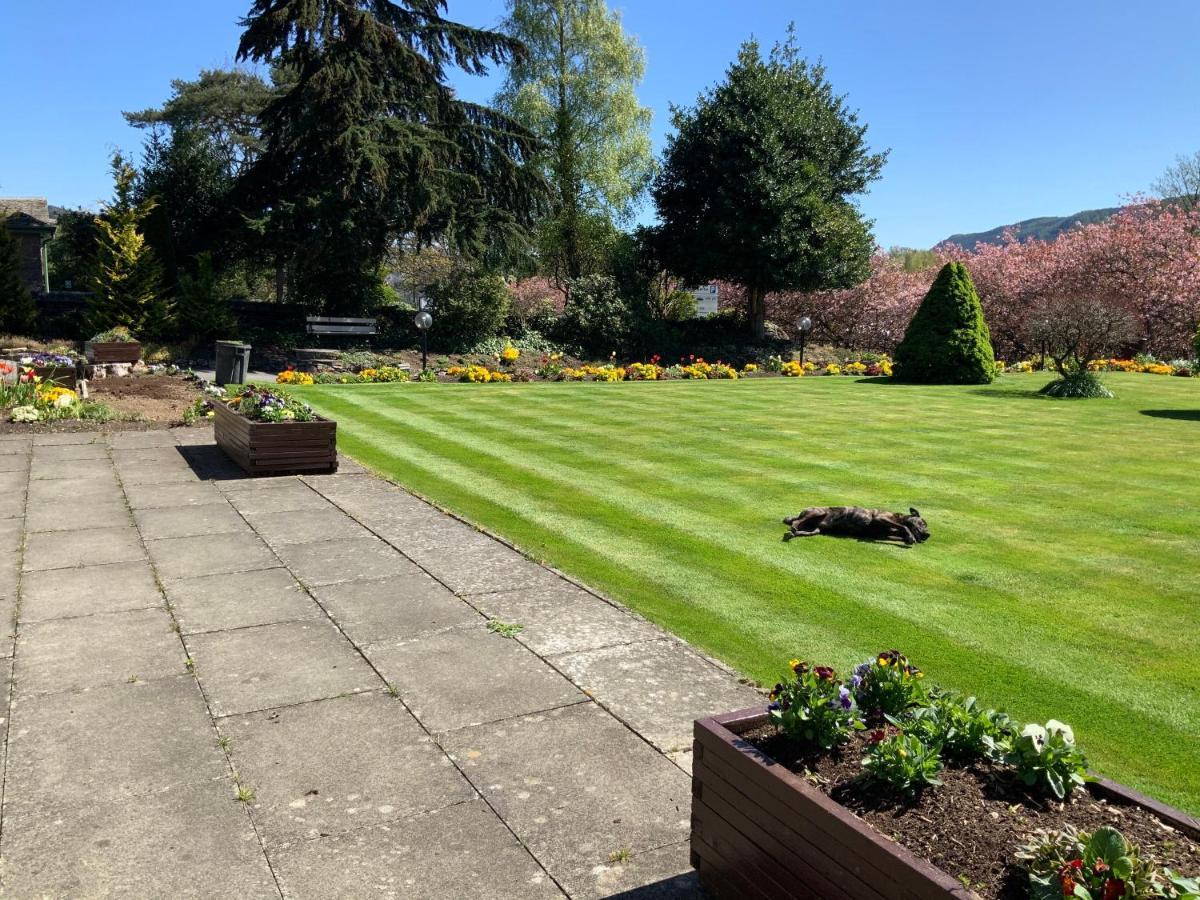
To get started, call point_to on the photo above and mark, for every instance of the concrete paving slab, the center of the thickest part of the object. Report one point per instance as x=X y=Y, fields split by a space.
x=274 y=495
x=476 y=570
x=59 y=491
x=659 y=687
x=393 y=609
x=386 y=768
x=60 y=438
x=196 y=435
x=10 y=574
x=84 y=515
x=50 y=550
x=209 y=554
x=190 y=521
x=109 y=743
x=14 y=462
x=158 y=473
x=168 y=454
x=57 y=469
x=347 y=560
x=310 y=526
x=452 y=679
x=258 y=483
x=463 y=852
x=11 y=533
x=71 y=451
x=70 y=654
x=662 y=874
x=576 y=786
x=164 y=496
x=277 y=665
x=12 y=482
x=12 y=502
x=192 y=841
x=116 y=587
x=565 y=619
x=124 y=440
x=240 y=600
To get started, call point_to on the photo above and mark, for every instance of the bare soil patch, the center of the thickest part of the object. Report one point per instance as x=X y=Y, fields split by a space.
x=152 y=398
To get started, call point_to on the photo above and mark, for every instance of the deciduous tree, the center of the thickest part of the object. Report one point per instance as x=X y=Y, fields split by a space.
x=759 y=182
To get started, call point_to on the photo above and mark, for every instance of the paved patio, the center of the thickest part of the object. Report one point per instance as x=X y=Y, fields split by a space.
x=220 y=686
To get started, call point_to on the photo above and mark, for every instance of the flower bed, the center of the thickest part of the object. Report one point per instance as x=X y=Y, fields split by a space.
x=266 y=432
x=880 y=786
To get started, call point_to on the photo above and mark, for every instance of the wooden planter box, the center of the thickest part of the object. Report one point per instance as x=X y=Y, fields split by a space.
x=63 y=376
x=759 y=831
x=276 y=448
x=113 y=352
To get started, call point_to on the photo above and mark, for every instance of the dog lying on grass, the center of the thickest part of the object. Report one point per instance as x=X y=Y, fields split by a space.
x=856 y=522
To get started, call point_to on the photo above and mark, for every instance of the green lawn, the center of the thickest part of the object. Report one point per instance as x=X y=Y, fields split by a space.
x=1062 y=579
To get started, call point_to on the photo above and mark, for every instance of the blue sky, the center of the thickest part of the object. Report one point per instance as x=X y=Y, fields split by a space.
x=993 y=113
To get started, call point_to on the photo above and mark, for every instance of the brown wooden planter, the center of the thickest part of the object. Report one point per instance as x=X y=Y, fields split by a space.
x=63 y=376
x=276 y=448
x=112 y=352
x=759 y=831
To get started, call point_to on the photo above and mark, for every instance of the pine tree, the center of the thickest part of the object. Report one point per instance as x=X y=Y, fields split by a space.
x=948 y=341
x=18 y=313
x=126 y=279
x=368 y=143
x=203 y=311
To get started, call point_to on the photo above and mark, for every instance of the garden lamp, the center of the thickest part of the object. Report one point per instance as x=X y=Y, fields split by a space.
x=805 y=326
x=424 y=321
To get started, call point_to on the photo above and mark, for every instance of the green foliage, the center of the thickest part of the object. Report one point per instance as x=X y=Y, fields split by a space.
x=117 y=335
x=912 y=260
x=902 y=764
x=71 y=253
x=1196 y=344
x=1082 y=385
x=467 y=308
x=947 y=341
x=758 y=182
x=814 y=707
x=370 y=101
x=17 y=310
x=963 y=729
x=125 y=279
x=575 y=90
x=1099 y=865
x=596 y=318
x=204 y=312
x=888 y=685
x=1046 y=757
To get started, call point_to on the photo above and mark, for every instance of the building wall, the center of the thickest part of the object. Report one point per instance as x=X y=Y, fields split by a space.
x=29 y=252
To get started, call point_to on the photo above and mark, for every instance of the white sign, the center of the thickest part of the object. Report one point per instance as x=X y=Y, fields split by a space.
x=706 y=299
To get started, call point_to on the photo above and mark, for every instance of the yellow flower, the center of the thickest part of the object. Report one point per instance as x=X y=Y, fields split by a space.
x=510 y=353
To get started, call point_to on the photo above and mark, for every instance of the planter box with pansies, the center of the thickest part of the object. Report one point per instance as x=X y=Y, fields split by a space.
x=276 y=448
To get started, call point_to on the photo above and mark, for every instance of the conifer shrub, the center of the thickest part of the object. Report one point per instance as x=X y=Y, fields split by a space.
x=947 y=341
x=17 y=310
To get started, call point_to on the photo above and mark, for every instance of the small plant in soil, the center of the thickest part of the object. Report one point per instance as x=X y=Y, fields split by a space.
x=1046 y=756
x=901 y=764
x=814 y=708
x=887 y=685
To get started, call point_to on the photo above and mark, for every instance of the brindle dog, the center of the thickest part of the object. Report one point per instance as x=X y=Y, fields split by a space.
x=854 y=521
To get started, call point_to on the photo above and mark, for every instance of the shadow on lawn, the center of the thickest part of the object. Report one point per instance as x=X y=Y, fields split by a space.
x=1012 y=395
x=1184 y=415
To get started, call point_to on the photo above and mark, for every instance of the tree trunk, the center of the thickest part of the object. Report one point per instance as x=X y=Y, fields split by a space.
x=758 y=313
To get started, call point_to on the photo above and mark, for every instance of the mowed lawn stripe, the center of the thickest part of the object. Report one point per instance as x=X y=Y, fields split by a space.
x=525 y=457
x=753 y=608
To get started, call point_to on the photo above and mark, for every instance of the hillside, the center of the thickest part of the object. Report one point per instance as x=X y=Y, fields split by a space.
x=1046 y=228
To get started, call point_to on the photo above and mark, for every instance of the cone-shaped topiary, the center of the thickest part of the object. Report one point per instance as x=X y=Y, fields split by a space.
x=948 y=341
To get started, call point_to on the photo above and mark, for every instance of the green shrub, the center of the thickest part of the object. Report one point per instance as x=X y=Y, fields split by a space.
x=17 y=310
x=948 y=341
x=597 y=318
x=204 y=314
x=467 y=308
x=1077 y=386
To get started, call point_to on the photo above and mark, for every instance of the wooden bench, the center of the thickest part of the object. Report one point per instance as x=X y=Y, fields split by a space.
x=340 y=325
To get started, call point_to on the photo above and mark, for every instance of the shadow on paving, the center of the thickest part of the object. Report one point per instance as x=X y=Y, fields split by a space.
x=209 y=462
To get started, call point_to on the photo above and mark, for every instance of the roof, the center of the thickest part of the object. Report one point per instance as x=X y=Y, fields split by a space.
x=28 y=212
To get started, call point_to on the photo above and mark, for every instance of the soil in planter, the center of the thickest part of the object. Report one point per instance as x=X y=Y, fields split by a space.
x=152 y=398
x=971 y=825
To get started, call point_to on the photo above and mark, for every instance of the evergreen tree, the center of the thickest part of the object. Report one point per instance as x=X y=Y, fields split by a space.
x=125 y=280
x=202 y=310
x=758 y=182
x=576 y=91
x=370 y=144
x=18 y=313
x=947 y=341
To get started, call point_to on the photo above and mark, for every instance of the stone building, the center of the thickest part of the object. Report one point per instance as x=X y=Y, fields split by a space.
x=29 y=222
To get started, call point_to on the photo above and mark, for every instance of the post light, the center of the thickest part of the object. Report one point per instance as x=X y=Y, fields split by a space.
x=424 y=321
x=805 y=326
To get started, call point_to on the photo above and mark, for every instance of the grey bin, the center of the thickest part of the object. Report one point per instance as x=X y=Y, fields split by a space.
x=233 y=362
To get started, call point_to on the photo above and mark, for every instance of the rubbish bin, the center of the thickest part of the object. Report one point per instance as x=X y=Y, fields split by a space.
x=233 y=362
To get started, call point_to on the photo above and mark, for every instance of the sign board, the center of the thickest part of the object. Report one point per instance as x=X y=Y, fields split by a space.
x=706 y=299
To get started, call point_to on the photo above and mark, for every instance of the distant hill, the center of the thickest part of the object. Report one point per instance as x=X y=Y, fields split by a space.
x=1046 y=228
